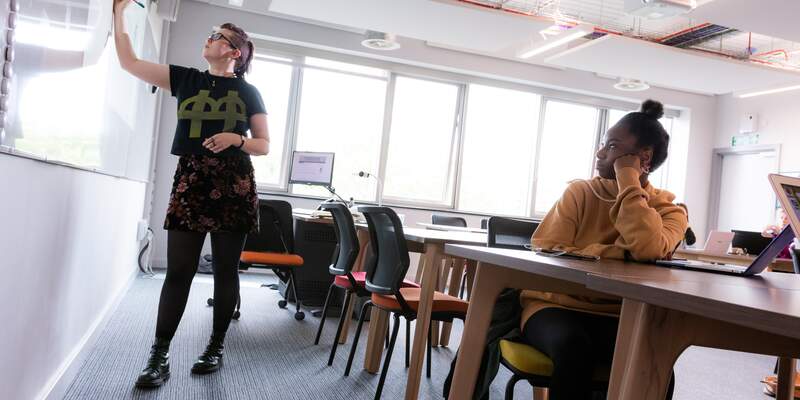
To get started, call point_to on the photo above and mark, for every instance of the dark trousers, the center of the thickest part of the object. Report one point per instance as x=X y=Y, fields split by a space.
x=183 y=255
x=577 y=342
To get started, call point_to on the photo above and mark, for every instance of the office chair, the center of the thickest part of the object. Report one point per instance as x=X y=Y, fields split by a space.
x=344 y=258
x=438 y=219
x=507 y=233
x=384 y=281
x=272 y=247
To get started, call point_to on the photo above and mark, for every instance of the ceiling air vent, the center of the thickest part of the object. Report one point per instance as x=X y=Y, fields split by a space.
x=380 y=41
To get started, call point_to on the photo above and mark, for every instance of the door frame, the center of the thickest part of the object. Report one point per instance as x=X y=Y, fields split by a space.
x=716 y=174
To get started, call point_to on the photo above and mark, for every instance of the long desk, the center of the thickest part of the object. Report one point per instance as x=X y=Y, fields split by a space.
x=760 y=314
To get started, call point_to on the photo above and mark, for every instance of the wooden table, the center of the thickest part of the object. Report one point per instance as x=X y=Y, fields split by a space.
x=500 y=268
x=779 y=264
x=661 y=318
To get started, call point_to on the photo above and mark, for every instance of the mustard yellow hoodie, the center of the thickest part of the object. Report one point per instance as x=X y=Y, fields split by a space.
x=606 y=218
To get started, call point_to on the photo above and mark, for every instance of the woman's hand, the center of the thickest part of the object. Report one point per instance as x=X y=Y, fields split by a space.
x=222 y=141
x=771 y=231
x=119 y=6
x=630 y=160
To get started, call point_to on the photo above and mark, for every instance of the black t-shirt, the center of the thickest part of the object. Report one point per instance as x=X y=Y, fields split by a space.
x=208 y=105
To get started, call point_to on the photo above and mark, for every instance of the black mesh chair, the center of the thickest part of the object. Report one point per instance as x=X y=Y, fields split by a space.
x=384 y=280
x=438 y=219
x=344 y=258
x=273 y=247
x=509 y=233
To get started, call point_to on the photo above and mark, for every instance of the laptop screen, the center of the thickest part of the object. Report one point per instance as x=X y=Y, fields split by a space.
x=771 y=251
x=793 y=196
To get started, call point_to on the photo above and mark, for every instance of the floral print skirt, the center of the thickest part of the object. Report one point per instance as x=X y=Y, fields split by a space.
x=212 y=194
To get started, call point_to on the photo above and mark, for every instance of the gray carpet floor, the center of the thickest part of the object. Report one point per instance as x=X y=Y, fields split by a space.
x=270 y=355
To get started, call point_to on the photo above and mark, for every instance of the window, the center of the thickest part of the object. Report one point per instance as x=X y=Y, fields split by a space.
x=274 y=82
x=499 y=149
x=566 y=152
x=442 y=144
x=342 y=113
x=420 y=163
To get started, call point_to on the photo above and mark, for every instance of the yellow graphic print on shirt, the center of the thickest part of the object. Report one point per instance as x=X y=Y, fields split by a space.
x=194 y=109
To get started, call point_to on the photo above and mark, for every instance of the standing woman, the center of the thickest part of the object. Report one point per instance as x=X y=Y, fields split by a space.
x=214 y=187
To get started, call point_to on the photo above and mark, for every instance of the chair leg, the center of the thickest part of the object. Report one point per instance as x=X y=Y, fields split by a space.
x=324 y=314
x=361 y=318
x=430 y=346
x=463 y=285
x=386 y=345
x=347 y=298
x=388 y=358
x=510 y=387
x=298 y=314
x=408 y=341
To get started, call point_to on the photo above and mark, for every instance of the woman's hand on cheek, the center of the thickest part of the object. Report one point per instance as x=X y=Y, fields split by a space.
x=630 y=160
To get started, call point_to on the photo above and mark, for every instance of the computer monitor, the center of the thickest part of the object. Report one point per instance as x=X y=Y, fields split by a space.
x=752 y=243
x=312 y=168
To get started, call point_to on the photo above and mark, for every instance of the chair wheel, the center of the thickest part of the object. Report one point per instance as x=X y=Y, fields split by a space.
x=299 y=315
x=282 y=303
x=210 y=302
x=236 y=315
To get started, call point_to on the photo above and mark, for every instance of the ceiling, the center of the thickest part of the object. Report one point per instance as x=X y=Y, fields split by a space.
x=742 y=44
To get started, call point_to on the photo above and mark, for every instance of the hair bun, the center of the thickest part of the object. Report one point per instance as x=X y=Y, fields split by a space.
x=652 y=109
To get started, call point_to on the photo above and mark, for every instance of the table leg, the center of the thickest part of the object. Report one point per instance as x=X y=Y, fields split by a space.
x=456 y=276
x=433 y=257
x=487 y=287
x=787 y=371
x=378 y=322
x=440 y=285
x=648 y=344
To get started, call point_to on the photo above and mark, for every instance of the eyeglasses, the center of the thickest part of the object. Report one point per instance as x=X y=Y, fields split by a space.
x=218 y=35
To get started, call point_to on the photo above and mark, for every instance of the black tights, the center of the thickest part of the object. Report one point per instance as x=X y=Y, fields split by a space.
x=576 y=342
x=183 y=255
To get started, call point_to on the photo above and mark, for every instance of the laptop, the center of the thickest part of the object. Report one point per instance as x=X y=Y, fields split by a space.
x=787 y=190
x=718 y=243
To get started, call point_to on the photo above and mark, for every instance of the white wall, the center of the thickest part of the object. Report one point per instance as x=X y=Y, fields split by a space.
x=196 y=19
x=68 y=245
x=778 y=123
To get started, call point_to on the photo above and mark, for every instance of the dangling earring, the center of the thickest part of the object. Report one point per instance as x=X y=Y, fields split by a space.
x=646 y=169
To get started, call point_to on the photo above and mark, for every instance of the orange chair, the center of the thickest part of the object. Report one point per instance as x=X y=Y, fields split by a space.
x=384 y=280
x=272 y=247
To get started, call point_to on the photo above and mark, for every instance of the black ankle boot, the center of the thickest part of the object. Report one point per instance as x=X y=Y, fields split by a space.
x=211 y=359
x=157 y=370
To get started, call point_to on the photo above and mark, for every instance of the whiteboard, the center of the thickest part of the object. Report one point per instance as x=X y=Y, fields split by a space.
x=69 y=101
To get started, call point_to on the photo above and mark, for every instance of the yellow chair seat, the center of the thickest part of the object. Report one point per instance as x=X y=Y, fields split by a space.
x=526 y=358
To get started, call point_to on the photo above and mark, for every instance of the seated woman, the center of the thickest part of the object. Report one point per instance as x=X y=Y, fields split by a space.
x=618 y=214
